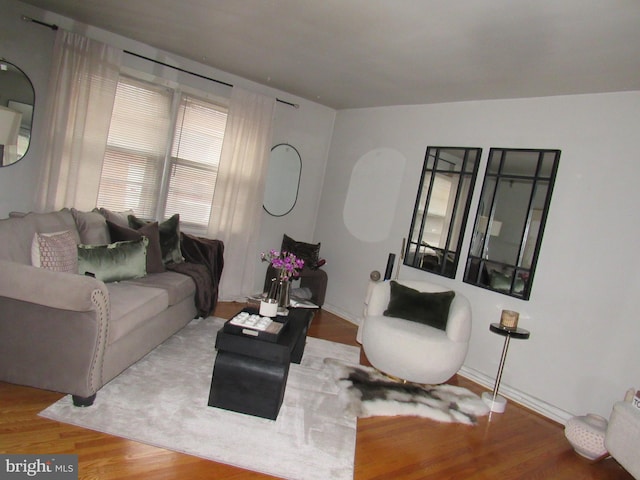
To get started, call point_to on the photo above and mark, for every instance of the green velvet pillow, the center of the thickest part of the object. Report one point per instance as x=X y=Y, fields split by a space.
x=169 y=237
x=114 y=262
x=430 y=308
x=500 y=281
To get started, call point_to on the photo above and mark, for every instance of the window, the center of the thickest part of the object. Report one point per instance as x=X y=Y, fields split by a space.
x=162 y=154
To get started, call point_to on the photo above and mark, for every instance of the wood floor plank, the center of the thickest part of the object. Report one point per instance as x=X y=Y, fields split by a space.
x=518 y=444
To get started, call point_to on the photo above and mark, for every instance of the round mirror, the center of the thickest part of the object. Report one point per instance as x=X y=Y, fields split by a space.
x=283 y=179
x=16 y=112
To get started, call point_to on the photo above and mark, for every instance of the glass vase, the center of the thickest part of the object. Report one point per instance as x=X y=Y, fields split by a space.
x=279 y=291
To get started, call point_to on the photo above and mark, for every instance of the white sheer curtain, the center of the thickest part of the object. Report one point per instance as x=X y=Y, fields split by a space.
x=82 y=88
x=237 y=202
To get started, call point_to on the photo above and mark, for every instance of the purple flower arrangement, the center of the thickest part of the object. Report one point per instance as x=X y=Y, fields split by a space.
x=286 y=263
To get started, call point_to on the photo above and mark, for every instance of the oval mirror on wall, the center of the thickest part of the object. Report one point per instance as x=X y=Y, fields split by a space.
x=16 y=112
x=283 y=180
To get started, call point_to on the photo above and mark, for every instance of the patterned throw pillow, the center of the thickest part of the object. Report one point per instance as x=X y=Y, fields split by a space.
x=55 y=251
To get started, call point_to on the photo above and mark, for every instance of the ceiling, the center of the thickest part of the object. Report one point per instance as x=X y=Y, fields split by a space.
x=369 y=53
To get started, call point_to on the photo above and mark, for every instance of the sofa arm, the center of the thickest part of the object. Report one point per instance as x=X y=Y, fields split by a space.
x=48 y=288
x=53 y=329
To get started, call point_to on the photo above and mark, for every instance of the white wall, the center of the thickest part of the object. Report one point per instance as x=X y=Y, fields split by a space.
x=311 y=135
x=583 y=315
x=307 y=128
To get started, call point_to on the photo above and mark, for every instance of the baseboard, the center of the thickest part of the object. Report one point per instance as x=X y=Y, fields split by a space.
x=341 y=313
x=539 y=406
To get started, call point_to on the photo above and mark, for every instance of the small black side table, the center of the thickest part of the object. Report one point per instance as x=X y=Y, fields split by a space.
x=494 y=401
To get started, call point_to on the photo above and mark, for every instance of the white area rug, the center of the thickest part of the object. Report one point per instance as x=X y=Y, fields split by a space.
x=162 y=401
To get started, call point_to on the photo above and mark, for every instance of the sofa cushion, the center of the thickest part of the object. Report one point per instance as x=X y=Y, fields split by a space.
x=430 y=308
x=169 y=237
x=118 y=233
x=131 y=306
x=121 y=218
x=55 y=251
x=177 y=286
x=16 y=234
x=114 y=262
x=92 y=227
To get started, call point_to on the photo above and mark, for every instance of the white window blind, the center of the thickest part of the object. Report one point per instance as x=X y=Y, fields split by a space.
x=142 y=132
x=195 y=155
x=136 y=148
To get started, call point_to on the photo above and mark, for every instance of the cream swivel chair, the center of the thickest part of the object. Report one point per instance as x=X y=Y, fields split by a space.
x=410 y=350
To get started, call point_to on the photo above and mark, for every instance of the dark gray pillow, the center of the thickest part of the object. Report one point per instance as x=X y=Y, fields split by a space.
x=309 y=252
x=119 y=233
x=169 y=237
x=429 y=308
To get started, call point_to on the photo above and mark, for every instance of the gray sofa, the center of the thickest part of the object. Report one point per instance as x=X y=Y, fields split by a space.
x=72 y=333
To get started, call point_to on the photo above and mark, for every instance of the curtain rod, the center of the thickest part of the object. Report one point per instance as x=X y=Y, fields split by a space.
x=55 y=27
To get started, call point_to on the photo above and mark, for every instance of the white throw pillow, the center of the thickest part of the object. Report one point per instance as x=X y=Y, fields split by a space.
x=55 y=251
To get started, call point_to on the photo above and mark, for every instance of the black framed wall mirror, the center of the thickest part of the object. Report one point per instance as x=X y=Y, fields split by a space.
x=17 y=98
x=283 y=180
x=441 y=209
x=513 y=208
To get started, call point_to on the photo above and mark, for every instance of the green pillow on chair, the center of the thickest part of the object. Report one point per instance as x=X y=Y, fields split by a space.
x=429 y=308
x=502 y=282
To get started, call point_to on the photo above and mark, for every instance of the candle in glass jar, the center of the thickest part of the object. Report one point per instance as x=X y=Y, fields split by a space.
x=269 y=307
x=509 y=319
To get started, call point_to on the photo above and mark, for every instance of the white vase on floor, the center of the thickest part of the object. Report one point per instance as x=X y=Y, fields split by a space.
x=586 y=435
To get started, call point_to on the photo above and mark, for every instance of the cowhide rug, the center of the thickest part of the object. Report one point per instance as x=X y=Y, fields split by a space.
x=368 y=393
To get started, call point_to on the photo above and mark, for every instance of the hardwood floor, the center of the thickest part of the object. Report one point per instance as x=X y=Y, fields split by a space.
x=517 y=444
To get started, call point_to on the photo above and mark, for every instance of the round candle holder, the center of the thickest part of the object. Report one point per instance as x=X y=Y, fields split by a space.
x=509 y=319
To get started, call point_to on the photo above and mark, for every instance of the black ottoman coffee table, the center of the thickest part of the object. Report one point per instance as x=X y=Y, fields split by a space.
x=250 y=373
